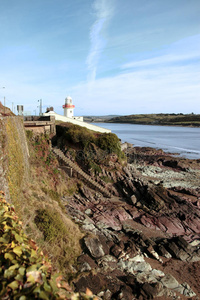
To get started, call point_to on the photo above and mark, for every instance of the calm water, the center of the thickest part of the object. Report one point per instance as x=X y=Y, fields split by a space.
x=182 y=140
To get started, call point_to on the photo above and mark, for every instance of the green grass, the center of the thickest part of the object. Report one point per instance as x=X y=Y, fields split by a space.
x=160 y=119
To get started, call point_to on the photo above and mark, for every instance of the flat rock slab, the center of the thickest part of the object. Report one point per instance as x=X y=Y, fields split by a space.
x=94 y=247
x=170 y=282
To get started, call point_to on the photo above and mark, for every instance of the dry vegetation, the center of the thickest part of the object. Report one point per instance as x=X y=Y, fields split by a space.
x=46 y=220
x=37 y=198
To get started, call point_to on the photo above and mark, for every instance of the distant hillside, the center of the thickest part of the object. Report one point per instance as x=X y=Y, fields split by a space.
x=159 y=119
x=100 y=119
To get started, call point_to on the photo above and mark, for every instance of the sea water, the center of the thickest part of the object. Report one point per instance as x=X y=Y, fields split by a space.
x=182 y=140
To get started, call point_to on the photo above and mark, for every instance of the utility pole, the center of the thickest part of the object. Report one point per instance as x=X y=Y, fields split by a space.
x=4 y=101
x=4 y=105
x=40 y=107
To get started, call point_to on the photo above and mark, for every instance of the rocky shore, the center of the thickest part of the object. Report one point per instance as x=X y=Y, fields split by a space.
x=144 y=241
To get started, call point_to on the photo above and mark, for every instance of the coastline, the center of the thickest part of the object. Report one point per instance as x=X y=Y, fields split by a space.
x=162 y=119
x=151 y=124
x=179 y=141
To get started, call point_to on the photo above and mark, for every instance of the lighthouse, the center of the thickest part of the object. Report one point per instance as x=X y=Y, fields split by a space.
x=68 y=107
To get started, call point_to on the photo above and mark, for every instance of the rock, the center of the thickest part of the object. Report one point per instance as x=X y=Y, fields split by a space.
x=158 y=273
x=195 y=243
x=183 y=255
x=188 y=292
x=193 y=258
x=133 y=267
x=88 y=227
x=163 y=252
x=105 y=243
x=125 y=293
x=108 y=262
x=93 y=282
x=138 y=258
x=153 y=290
x=85 y=267
x=84 y=258
x=133 y=199
x=105 y=295
x=149 y=277
x=169 y=281
x=116 y=250
x=88 y=212
x=173 y=249
x=180 y=289
x=154 y=253
x=140 y=267
x=94 y=247
x=181 y=242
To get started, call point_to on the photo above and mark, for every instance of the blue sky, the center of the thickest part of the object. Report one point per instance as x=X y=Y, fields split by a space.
x=111 y=56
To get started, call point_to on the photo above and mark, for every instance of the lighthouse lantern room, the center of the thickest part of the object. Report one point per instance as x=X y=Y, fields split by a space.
x=68 y=107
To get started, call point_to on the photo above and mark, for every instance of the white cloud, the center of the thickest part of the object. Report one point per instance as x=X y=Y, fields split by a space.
x=103 y=10
x=180 y=52
x=175 y=89
x=165 y=59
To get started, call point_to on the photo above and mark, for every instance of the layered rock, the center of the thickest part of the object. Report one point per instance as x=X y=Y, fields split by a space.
x=136 y=243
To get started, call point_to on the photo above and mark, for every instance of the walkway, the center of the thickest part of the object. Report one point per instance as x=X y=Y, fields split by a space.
x=85 y=176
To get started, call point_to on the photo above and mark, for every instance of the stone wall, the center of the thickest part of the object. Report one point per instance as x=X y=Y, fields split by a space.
x=41 y=124
x=14 y=153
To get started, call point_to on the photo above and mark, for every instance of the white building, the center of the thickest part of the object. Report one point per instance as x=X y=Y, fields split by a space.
x=68 y=107
x=69 y=117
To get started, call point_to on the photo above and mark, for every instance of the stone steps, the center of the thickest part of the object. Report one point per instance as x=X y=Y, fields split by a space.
x=85 y=176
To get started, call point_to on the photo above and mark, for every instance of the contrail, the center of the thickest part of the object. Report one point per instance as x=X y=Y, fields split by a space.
x=103 y=10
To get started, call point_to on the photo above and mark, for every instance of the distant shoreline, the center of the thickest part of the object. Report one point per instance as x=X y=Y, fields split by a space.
x=171 y=125
x=178 y=120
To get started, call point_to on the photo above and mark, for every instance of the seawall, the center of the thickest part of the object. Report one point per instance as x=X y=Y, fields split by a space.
x=14 y=156
x=77 y=122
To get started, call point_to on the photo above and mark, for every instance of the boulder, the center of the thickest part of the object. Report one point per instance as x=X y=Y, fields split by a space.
x=94 y=247
x=169 y=281
x=153 y=290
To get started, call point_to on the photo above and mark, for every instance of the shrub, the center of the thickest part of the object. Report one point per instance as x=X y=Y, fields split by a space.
x=94 y=167
x=25 y=273
x=59 y=233
x=110 y=143
x=29 y=134
x=24 y=270
x=79 y=135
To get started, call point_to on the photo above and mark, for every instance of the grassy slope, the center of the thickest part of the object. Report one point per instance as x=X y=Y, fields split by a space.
x=37 y=198
x=160 y=119
x=24 y=270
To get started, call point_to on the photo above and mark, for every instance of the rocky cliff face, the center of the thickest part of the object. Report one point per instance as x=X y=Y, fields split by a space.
x=143 y=242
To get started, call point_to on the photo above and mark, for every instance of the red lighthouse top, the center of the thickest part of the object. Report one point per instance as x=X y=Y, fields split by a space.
x=68 y=106
x=68 y=103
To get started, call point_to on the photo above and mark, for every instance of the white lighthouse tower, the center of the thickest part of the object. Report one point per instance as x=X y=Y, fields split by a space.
x=68 y=107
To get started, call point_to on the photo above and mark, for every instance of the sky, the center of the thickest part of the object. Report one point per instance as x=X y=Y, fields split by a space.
x=113 y=57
